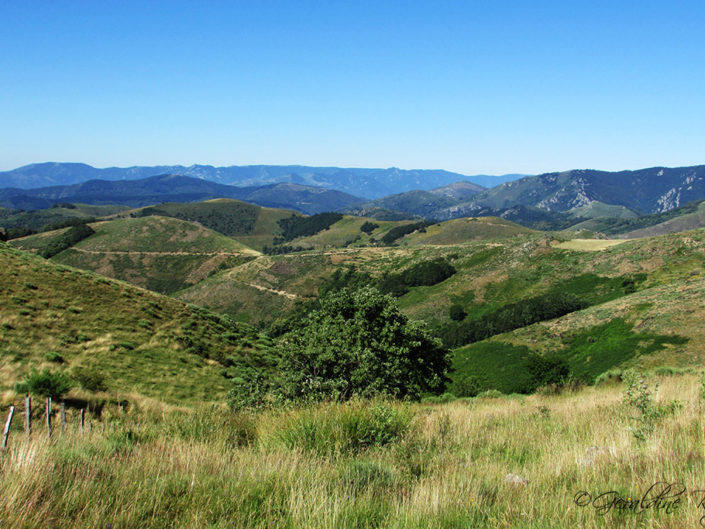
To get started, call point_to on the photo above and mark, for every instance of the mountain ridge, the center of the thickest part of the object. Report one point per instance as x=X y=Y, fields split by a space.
x=177 y=188
x=365 y=182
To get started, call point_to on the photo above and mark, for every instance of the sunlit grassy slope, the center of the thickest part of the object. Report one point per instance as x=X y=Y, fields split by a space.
x=146 y=344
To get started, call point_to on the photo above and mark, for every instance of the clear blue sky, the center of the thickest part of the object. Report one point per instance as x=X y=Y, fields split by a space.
x=473 y=86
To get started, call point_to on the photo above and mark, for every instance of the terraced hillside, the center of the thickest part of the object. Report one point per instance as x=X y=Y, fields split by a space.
x=144 y=344
x=159 y=253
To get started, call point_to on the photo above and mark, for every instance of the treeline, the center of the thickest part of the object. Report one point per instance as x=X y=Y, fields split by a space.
x=399 y=231
x=297 y=226
x=66 y=240
x=67 y=223
x=231 y=218
x=425 y=273
x=510 y=317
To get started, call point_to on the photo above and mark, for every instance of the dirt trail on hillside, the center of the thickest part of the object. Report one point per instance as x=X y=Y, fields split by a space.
x=134 y=252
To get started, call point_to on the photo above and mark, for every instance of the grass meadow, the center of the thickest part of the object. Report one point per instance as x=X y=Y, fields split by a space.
x=367 y=464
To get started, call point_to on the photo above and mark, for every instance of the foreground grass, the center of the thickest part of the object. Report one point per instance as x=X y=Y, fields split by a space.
x=291 y=468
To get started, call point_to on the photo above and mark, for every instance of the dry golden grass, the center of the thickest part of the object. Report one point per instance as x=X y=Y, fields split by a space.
x=588 y=245
x=190 y=471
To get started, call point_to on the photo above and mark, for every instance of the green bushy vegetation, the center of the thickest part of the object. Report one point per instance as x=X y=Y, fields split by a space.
x=66 y=240
x=356 y=344
x=52 y=384
x=67 y=223
x=405 y=229
x=229 y=217
x=368 y=227
x=588 y=355
x=297 y=226
x=509 y=317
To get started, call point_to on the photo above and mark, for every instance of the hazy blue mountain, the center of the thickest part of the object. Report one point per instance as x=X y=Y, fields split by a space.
x=370 y=183
x=580 y=194
x=421 y=203
x=177 y=188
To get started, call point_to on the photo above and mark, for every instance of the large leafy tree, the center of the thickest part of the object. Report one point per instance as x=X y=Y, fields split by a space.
x=359 y=344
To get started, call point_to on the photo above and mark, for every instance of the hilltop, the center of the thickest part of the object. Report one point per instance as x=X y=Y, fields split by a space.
x=162 y=254
x=145 y=344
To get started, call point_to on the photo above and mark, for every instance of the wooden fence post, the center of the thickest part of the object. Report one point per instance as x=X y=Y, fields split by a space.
x=48 y=412
x=28 y=415
x=63 y=417
x=6 y=431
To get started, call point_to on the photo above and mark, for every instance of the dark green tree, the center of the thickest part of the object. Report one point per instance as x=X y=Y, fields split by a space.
x=359 y=344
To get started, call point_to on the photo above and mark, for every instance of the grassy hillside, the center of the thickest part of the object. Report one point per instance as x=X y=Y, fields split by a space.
x=600 y=209
x=691 y=217
x=659 y=324
x=460 y=231
x=253 y=225
x=145 y=344
x=159 y=253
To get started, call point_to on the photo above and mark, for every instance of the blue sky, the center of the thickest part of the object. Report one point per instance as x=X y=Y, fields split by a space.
x=475 y=86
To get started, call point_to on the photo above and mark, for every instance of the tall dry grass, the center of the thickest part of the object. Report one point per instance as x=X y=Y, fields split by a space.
x=444 y=469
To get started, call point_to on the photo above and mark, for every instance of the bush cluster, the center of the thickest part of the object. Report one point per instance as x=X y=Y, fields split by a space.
x=298 y=226
x=368 y=227
x=510 y=317
x=399 y=231
x=67 y=240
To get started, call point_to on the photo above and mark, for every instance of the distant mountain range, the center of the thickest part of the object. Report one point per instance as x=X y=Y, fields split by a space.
x=177 y=188
x=549 y=201
x=369 y=183
x=581 y=193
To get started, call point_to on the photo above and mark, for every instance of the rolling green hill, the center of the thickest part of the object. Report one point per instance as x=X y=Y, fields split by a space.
x=159 y=253
x=254 y=226
x=146 y=345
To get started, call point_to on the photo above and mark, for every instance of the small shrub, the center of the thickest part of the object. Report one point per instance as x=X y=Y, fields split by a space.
x=457 y=313
x=639 y=398
x=611 y=376
x=90 y=379
x=45 y=384
x=53 y=356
